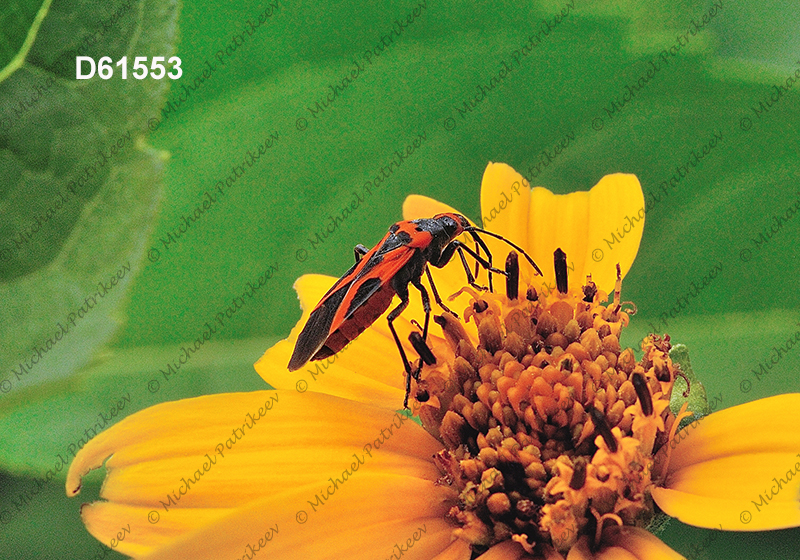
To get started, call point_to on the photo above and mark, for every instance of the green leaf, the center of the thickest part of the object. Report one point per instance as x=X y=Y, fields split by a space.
x=78 y=184
x=16 y=22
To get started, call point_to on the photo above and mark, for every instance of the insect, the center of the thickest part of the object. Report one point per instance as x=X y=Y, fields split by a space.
x=365 y=291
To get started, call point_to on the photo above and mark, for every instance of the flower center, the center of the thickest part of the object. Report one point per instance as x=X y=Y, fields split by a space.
x=550 y=428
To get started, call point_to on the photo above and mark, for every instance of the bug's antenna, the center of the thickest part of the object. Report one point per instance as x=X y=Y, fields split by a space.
x=514 y=245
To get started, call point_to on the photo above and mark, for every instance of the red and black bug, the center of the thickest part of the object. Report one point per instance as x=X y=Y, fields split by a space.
x=365 y=291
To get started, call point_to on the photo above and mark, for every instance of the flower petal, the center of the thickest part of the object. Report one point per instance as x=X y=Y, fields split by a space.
x=458 y=550
x=737 y=469
x=580 y=223
x=378 y=382
x=617 y=553
x=368 y=516
x=193 y=461
x=641 y=544
x=416 y=206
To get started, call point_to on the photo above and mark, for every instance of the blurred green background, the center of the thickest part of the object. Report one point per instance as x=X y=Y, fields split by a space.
x=266 y=83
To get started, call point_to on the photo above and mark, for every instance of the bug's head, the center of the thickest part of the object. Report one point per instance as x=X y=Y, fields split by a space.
x=453 y=224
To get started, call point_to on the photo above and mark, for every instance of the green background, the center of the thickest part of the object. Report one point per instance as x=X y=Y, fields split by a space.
x=267 y=84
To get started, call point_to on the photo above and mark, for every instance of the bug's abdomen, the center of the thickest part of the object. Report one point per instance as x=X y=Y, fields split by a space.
x=363 y=317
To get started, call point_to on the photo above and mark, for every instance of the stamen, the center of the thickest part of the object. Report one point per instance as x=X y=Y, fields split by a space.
x=512 y=276
x=643 y=392
x=600 y=524
x=422 y=349
x=523 y=540
x=531 y=294
x=589 y=290
x=661 y=470
x=601 y=427
x=480 y=306
x=578 y=474
x=633 y=310
x=618 y=290
x=688 y=385
x=560 y=264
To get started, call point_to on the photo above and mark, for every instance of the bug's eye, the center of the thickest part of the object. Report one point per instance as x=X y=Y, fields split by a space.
x=450 y=226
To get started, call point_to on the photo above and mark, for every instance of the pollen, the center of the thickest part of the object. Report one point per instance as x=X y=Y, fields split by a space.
x=549 y=427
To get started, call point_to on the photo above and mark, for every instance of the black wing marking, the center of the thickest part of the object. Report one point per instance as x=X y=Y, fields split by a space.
x=371 y=285
x=365 y=290
x=315 y=333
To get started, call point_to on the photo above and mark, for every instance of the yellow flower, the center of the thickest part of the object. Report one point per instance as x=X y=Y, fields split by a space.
x=541 y=437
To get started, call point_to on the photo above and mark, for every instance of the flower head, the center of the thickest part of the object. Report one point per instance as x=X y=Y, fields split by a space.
x=541 y=436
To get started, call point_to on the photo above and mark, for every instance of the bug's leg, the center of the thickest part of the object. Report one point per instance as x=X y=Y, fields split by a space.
x=359 y=251
x=470 y=278
x=426 y=303
x=417 y=341
x=436 y=296
x=477 y=264
x=484 y=263
x=402 y=291
x=482 y=243
x=444 y=258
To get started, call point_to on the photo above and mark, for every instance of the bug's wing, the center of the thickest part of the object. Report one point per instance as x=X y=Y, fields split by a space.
x=370 y=280
x=352 y=291
x=318 y=327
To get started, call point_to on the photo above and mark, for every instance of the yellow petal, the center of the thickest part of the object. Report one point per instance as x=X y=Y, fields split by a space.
x=379 y=380
x=369 y=516
x=593 y=227
x=458 y=550
x=201 y=458
x=580 y=550
x=639 y=543
x=505 y=204
x=416 y=206
x=617 y=553
x=737 y=469
x=116 y=524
